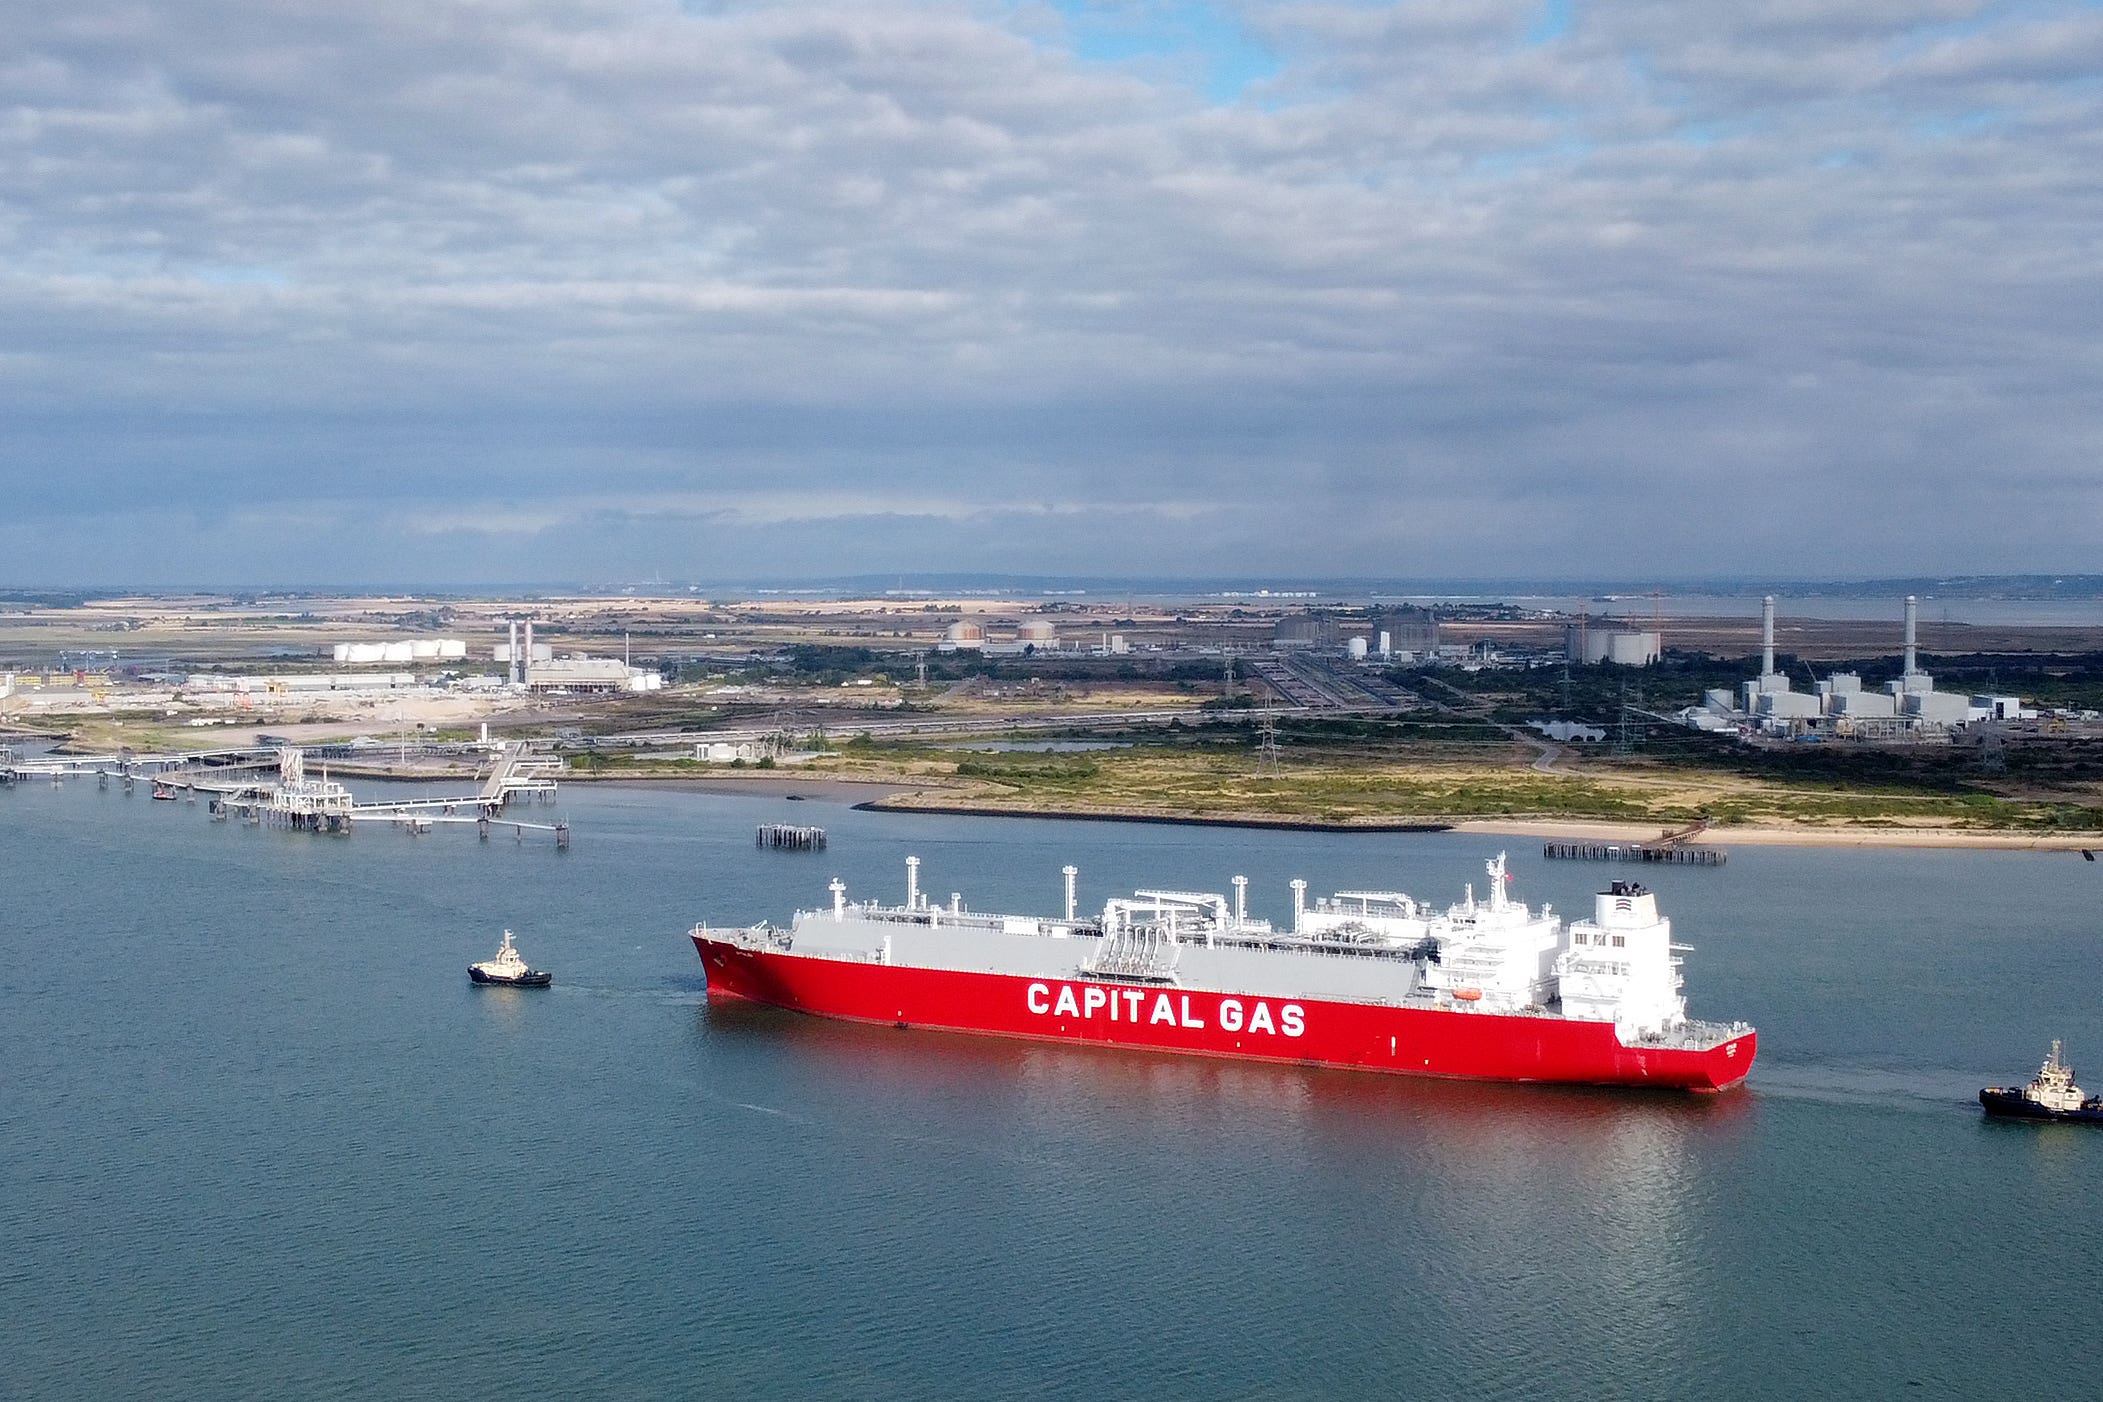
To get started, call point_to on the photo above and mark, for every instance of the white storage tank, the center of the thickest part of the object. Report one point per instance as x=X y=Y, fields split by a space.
x=1634 y=649
x=341 y=652
x=451 y=649
x=424 y=649
x=1356 y=647
x=397 y=652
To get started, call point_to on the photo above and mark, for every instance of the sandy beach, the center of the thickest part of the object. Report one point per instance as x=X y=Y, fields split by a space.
x=906 y=798
x=1795 y=837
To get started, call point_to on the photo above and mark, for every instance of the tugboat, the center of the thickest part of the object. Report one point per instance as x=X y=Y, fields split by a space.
x=508 y=969
x=2051 y=1096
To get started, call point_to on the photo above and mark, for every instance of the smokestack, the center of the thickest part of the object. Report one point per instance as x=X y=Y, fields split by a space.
x=1299 y=902
x=1767 y=636
x=1912 y=622
x=1241 y=900
x=912 y=883
x=1069 y=872
x=514 y=652
x=527 y=674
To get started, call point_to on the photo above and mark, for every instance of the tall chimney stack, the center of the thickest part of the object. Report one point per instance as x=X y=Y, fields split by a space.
x=1912 y=624
x=514 y=652
x=527 y=674
x=1767 y=636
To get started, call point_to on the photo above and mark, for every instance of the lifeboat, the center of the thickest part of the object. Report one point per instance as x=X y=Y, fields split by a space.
x=1468 y=995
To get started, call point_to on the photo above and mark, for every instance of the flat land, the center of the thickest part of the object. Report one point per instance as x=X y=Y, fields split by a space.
x=832 y=683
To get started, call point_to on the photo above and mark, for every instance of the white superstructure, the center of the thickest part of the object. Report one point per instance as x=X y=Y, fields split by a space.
x=1622 y=966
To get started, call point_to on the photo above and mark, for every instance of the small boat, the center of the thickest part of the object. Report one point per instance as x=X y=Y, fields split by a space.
x=508 y=969
x=164 y=793
x=2052 y=1095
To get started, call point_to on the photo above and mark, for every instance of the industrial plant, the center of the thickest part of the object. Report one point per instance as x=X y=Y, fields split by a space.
x=1907 y=707
x=536 y=668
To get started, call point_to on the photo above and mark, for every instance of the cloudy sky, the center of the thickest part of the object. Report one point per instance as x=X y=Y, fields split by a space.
x=463 y=291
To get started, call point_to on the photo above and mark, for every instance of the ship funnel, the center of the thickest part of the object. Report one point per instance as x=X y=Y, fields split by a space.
x=1912 y=626
x=839 y=898
x=1299 y=902
x=1241 y=900
x=1767 y=636
x=1069 y=872
x=912 y=883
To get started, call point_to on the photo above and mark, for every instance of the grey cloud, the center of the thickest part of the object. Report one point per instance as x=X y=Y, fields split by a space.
x=593 y=274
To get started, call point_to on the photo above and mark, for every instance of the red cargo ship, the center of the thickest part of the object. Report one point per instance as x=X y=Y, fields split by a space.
x=1364 y=979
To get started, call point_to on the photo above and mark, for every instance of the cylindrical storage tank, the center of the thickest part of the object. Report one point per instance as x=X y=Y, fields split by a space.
x=341 y=652
x=1356 y=648
x=543 y=652
x=1037 y=631
x=367 y=652
x=451 y=648
x=424 y=649
x=396 y=652
x=1633 y=649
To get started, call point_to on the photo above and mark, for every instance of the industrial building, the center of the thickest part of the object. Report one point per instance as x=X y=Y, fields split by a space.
x=1620 y=647
x=1031 y=636
x=535 y=668
x=401 y=650
x=1840 y=705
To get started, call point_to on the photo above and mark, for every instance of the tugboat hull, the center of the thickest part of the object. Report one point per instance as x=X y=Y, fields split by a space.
x=534 y=978
x=2013 y=1104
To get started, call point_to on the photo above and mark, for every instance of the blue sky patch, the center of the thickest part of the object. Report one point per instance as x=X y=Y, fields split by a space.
x=1224 y=57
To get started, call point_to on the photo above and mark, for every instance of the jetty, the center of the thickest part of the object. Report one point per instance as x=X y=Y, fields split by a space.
x=239 y=784
x=1636 y=852
x=786 y=835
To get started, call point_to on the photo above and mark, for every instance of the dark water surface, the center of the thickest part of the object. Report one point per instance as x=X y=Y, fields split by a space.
x=259 y=1137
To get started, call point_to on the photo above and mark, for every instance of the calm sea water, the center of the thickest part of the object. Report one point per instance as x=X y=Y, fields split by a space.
x=260 y=1138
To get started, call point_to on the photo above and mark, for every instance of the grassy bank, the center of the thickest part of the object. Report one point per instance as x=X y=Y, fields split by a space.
x=1366 y=786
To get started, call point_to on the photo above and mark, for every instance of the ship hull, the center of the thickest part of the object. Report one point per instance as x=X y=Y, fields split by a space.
x=1357 y=1036
x=532 y=978
x=2014 y=1105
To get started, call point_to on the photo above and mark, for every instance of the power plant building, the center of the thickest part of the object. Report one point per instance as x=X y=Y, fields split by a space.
x=1840 y=704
